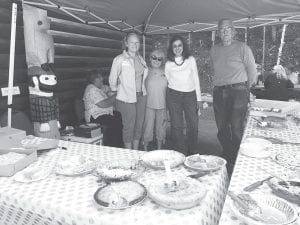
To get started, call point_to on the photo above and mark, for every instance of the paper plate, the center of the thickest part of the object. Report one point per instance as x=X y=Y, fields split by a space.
x=256 y=147
x=155 y=159
x=75 y=166
x=204 y=162
x=289 y=190
x=120 y=195
x=29 y=174
x=119 y=170
x=184 y=193
x=275 y=211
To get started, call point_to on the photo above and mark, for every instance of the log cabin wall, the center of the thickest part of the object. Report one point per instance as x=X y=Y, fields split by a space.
x=79 y=48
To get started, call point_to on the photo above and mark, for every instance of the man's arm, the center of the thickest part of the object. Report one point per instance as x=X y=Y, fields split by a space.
x=250 y=66
x=108 y=102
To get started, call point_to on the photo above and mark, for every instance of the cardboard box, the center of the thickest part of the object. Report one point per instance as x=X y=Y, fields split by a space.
x=11 y=134
x=10 y=169
x=89 y=130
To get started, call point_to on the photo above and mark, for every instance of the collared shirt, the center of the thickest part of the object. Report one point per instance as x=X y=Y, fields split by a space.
x=122 y=77
x=233 y=64
x=92 y=95
x=185 y=77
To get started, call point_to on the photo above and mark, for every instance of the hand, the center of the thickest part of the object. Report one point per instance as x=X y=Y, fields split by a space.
x=205 y=105
x=111 y=93
x=199 y=108
x=44 y=127
x=58 y=125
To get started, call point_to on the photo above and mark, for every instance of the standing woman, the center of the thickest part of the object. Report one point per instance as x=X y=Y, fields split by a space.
x=183 y=94
x=127 y=79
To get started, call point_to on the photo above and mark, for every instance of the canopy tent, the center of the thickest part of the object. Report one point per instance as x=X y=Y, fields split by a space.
x=169 y=16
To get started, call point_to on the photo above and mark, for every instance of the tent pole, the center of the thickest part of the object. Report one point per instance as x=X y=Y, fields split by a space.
x=144 y=46
x=246 y=35
x=281 y=44
x=263 y=53
x=11 y=62
x=213 y=37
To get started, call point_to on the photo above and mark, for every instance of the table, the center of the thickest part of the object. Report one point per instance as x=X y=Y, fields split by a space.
x=69 y=200
x=246 y=169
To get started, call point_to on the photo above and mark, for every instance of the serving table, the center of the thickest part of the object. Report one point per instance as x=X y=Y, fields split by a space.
x=69 y=200
x=248 y=170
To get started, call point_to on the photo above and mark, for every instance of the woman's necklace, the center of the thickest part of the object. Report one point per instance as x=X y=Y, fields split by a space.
x=181 y=61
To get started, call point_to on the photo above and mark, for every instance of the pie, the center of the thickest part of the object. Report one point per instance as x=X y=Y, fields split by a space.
x=181 y=194
x=120 y=195
x=204 y=162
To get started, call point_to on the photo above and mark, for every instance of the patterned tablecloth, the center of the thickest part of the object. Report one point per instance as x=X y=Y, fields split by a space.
x=247 y=170
x=69 y=200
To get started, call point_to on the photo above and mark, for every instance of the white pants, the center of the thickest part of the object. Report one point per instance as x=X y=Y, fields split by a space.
x=157 y=117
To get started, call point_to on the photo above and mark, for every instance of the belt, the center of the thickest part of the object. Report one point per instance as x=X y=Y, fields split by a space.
x=139 y=94
x=232 y=85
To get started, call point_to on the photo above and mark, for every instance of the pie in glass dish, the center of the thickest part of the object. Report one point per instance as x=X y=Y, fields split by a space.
x=120 y=195
x=183 y=193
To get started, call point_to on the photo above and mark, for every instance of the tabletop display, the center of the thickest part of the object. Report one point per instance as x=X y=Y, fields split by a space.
x=87 y=184
x=265 y=185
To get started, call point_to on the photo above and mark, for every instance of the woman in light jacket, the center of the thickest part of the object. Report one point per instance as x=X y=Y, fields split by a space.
x=127 y=78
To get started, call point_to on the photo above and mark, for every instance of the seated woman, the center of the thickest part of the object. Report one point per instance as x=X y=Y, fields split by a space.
x=277 y=84
x=98 y=102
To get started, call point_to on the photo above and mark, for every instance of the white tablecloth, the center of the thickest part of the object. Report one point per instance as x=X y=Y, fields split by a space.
x=69 y=200
x=247 y=171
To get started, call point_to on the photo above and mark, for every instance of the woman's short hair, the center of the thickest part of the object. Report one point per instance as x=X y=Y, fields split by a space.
x=279 y=71
x=132 y=33
x=93 y=75
x=185 y=52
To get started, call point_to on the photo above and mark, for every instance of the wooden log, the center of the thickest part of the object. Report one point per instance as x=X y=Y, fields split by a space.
x=5 y=46
x=80 y=28
x=19 y=61
x=20 y=75
x=19 y=103
x=73 y=61
x=71 y=84
x=5 y=31
x=81 y=72
x=76 y=50
x=80 y=39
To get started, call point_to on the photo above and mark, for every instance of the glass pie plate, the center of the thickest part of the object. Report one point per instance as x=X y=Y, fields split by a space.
x=32 y=174
x=155 y=159
x=120 y=195
x=274 y=211
x=119 y=170
x=181 y=193
x=290 y=159
x=205 y=163
x=75 y=166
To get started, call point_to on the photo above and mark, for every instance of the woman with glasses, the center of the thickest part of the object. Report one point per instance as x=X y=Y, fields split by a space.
x=183 y=94
x=156 y=85
x=127 y=79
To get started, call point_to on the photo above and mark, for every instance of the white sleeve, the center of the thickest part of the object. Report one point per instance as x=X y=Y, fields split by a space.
x=196 y=78
x=167 y=71
x=114 y=75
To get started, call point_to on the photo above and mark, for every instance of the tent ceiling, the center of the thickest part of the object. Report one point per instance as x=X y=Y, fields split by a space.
x=167 y=16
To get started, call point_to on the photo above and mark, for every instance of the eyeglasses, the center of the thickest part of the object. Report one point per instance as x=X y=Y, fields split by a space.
x=160 y=59
x=177 y=46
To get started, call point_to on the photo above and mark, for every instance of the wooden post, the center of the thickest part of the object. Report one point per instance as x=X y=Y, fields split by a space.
x=213 y=37
x=11 y=62
x=144 y=46
x=281 y=44
x=263 y=54
x=246 y=35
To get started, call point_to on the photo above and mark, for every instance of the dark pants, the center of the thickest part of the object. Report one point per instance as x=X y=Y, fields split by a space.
x=112 y=129
x=230 y=107
x=179 y=102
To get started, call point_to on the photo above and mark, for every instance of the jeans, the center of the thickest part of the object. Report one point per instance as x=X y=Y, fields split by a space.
x=112 y=132
x=230 y=107
x=178 y=103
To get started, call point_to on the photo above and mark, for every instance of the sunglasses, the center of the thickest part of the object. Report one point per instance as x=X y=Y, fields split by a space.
x=160 y=59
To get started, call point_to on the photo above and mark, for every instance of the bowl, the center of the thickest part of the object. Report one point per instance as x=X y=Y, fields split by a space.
x=275 y=211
